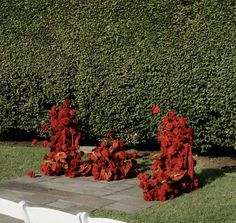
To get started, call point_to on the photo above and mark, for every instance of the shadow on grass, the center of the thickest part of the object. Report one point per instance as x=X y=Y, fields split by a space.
x=143 y=167
x=207 y=176
x=145 y=164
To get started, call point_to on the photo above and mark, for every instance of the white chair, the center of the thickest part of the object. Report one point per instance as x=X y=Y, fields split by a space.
x=29 y=214
x=86 y=219
x=48 y=215
x=13 y=209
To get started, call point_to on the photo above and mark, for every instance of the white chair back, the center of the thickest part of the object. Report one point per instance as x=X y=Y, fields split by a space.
x=102 y=220
x=48 y=215
x=30 y=214
x=13 y=209
x=86 y=219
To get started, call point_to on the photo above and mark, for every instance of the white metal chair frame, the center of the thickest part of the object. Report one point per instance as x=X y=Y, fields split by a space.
x=28 y=214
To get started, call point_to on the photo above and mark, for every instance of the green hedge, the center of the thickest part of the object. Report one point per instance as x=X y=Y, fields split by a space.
x=118 y=58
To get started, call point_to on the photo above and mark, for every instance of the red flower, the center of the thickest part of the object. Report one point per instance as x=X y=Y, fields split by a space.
x=44 y=128
x=45 y=143
x=144 y=185
x=173 y=171
x=71 y=174
x=61 y=156
x=171 y=151
x=172 y=113
x=108 y=135
x=53 y=110
x=105 y=153
x=195 y=182
x=85 y=169
x=34 y=142
x=66 y=103
x=121 y=144
x=65 y=121
x=111 y=162
x=182 y=121
x=147 y=196
x=103 y=144
x=31 y=174
x=72 y=112
x=169 y=127
x=155 y=109
x=165 y=119
x=121 y=155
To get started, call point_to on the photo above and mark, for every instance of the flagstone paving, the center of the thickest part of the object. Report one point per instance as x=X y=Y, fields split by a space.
x=75 y=195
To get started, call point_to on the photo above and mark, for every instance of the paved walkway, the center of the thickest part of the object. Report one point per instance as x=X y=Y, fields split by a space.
x=75 y=195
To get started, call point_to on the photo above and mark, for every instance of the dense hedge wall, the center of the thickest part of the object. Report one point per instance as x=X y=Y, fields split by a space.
x=118 y=58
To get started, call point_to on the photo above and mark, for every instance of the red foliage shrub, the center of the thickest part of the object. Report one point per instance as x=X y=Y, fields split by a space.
x=64 y=156
x=173 y=170
x=111 y=162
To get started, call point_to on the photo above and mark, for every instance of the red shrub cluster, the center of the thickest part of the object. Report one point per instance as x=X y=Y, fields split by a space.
x=173 y=170
x=64 y=156
x=111 y=162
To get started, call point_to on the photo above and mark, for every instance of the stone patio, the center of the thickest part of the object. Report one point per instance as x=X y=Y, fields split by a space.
x=75 y=195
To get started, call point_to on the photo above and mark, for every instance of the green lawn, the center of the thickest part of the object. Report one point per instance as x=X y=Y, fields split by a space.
x=16 y=161
x=214 y=202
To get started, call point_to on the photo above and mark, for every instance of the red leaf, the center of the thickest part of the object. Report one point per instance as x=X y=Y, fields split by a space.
x=171 y=151
x=31 y=174
x=121 y=155
x=85 y=169
x=95 y=172
x=45 y=143
x=165 y=119
x=147 y=196
x=77 y=140
x=92 y=156
x=103 y=144
x=108 y=135
x=114 y=144
x=176 y=176
x=155 y=109
x=182 y=121
x=121 y=144
x=53 y=110
x=71 y=174
x=172 y=113
x=72 y=112
x=44 y=128
x=125 y=168
x=34 y=142
x=60 y=156
x=66 y=103
x=105 y=175
x=133 y=155
x=105 y=153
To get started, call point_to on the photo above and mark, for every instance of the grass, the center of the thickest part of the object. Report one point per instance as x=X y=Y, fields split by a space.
x=215 y=201
x=16 y=161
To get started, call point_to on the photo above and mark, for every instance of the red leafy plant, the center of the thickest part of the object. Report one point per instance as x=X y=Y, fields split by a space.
x=111 y=162
x=34 y=142
x=31 y=174
x=173 y=171
x=64 y=156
